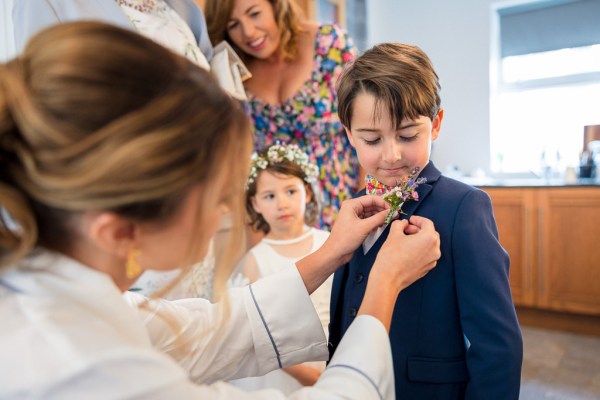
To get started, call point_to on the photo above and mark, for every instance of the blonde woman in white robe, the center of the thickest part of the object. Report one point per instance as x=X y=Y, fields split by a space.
x=116 y=156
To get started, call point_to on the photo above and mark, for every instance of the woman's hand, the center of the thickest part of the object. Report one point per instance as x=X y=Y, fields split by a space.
x=408 y=254
x=356 y=219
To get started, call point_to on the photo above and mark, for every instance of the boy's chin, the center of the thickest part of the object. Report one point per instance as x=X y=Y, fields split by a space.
x=390 y=180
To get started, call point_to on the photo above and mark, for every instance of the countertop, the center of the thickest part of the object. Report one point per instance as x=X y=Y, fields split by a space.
x=530 y=182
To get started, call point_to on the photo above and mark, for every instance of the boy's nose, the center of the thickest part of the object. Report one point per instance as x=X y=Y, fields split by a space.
x=392 y=152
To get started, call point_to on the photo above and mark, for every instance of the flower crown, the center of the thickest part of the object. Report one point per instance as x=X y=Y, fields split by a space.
x=279 y=153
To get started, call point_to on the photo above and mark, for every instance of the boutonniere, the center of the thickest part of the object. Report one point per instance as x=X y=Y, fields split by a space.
x=397 y=195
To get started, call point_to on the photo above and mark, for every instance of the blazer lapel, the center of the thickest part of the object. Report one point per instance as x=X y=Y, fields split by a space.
x=339 y=279
x=337 y=287
x=432 y=174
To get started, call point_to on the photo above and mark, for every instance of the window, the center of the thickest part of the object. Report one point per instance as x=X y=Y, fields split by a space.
x=545 y=83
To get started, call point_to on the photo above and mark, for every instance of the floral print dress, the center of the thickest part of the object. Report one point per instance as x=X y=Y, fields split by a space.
x=309 y=118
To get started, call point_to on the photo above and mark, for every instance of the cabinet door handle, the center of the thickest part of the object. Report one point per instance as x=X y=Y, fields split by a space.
x=541 y=272
x=527 y=250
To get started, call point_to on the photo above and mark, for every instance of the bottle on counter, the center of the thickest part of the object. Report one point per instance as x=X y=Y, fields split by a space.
x=570 y=175
x=586 y=165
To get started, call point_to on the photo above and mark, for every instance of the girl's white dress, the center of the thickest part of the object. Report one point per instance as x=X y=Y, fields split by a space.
x=197 y=282
x=269 y=262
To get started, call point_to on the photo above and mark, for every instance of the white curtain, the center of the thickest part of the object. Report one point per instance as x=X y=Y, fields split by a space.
x=7 y=40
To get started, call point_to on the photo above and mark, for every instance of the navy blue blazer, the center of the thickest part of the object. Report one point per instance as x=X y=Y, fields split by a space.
x=454 y=333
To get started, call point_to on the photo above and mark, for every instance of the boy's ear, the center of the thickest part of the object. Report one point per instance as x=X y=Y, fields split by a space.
x=436 y=124
x=350 y=137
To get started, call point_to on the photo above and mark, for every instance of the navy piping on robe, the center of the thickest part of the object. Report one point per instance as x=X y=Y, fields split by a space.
x=266 y=327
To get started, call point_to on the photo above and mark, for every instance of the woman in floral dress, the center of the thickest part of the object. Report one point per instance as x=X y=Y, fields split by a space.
x=291 y=96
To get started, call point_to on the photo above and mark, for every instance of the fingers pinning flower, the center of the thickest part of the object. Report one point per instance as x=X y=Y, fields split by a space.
x=402 y=192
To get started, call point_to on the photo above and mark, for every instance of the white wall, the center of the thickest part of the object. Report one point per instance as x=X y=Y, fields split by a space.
x=7 y=42
x=456 y=36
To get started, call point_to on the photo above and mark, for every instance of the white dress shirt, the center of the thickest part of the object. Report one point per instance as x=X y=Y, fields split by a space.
x=69 y=333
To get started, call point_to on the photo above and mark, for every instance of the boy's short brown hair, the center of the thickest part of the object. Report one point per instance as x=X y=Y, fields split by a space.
x=400 y=76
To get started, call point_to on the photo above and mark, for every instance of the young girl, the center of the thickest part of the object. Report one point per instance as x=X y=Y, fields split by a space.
x=282 y=203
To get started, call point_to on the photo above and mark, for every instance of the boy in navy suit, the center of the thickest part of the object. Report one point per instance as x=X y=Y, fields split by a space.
x=454 y=333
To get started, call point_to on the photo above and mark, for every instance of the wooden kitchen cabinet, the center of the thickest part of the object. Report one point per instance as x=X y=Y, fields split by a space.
x=553 y=237
x=515 y=212
x=569 y=265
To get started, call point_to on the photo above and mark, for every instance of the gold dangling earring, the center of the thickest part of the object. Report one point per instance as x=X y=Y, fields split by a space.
x=132 y=268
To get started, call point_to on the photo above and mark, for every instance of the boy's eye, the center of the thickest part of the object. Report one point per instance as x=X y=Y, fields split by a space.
x=408 y=138
x=371 y=142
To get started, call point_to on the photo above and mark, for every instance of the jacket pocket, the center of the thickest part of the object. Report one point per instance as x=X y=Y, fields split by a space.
x=437 y=370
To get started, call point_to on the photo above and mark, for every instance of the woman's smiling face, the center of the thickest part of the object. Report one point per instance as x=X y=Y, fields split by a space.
x=253 y=28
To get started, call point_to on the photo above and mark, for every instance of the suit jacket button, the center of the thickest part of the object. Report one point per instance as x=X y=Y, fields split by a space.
x=358 y=278
x=352 y=312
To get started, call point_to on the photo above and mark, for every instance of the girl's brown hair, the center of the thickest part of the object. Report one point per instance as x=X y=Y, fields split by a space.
x=287 y=16
x=400 y=76
x=98 y=118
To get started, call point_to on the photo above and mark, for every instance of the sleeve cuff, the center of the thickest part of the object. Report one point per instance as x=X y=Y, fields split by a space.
x=287 y=330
